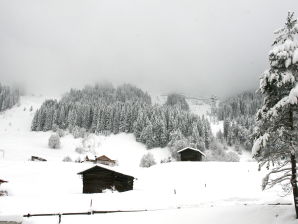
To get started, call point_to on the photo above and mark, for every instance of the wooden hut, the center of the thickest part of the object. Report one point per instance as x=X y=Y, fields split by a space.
x=191 y=154
x=3 y=192
x=105 y=160
x=98 y=178
x=36 y=158
x=2 y=181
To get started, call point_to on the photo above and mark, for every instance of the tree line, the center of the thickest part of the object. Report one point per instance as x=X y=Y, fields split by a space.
x=104 y=109
x=238 y=114
x=8 y=97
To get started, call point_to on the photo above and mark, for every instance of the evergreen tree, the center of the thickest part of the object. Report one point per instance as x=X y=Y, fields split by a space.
x=159 y=131
x=147 y=136
x=72 y=118
x=62 y=117
x=122 y=126
x=103 y=109
x=177 y=100
x=94 y=120
x=8 y=97
x=35 y=125
x=226 y=127
x=100 y=121
x=116 y=122
x=139 y=125
x=196 y=139
x=276 y=136
x=48 y=119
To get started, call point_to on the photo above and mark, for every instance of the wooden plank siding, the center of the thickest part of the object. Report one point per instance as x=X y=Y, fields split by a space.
x=190 y=155
x=97 y=179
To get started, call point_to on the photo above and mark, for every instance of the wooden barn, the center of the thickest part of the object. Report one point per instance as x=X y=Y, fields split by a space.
x=191 y=154
x=105 y=160
x=36 y=158
x=98 y=178
x=2 y=192
x=2 y=181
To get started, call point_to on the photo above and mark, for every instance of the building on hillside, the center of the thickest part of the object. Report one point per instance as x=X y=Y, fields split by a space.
x=2 y=181
x=105 y=161
x=191 y=154
x=101 y=160
x=98 y=178
x=36 y=158
x=3 y=192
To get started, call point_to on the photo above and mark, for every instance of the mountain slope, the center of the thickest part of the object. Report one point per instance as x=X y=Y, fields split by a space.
x=19 y=143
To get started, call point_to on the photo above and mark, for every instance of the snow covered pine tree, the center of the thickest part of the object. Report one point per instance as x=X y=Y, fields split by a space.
x=276 y=136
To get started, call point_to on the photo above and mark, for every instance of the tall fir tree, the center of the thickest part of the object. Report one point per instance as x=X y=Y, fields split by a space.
x=147 y=135
x=276 y=142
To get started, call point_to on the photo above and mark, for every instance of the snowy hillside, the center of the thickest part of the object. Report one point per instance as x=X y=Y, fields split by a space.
x=18 y=143
x=199 y=107
x=54 y=186
x=18 y=119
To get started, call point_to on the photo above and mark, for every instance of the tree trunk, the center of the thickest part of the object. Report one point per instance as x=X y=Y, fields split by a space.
x=294 y=169
x=294 y=183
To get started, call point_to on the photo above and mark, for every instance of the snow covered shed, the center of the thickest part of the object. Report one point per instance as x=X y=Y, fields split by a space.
x=99 y=178
x=191 y=154
x=105 y=160
x=2 y=181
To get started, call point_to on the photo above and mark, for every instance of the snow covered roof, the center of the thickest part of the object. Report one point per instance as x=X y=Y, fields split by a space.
x=104 y=158
x=105 y=168
x=193 y=150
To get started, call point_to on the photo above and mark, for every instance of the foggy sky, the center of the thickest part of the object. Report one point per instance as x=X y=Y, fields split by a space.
x=196 y=47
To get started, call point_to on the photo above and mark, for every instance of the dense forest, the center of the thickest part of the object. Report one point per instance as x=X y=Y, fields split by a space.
x=105 y=109
x=238 y=114
x=8 y=97
x=177 y=100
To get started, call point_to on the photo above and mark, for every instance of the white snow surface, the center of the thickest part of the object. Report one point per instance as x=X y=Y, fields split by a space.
x=55 y=187
x=18 y=143
x=177 y=192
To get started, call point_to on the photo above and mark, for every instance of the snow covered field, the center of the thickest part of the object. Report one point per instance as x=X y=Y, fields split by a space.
x=178 y=192
x=201 y=188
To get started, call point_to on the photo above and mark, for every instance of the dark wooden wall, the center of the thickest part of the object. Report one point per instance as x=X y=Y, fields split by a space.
x=98 y=180
x=190 y=155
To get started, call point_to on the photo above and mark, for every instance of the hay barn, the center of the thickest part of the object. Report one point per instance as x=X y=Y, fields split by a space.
x=105 y=160
x=2 y=181
x=191 y=154
x=98 y=178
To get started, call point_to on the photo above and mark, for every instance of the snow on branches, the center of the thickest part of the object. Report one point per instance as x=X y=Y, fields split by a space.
x=277 y=78
x=292 y=99
x=275 y=142
x=259 y=143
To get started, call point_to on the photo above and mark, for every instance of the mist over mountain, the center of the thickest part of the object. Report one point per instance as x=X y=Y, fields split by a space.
x=196 y=48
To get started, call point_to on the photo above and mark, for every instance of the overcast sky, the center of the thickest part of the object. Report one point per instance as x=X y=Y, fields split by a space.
x=197 y=47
